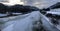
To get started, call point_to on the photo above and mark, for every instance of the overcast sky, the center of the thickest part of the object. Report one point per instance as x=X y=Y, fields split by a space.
x=40 y=3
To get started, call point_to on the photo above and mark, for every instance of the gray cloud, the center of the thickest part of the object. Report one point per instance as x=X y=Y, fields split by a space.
x=40 y=3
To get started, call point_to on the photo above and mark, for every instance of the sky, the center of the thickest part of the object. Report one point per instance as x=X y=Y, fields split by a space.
x=11 y=2
x=37 y=3
x=40 y=3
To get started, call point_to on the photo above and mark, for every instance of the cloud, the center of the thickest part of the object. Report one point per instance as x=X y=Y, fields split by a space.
x=40 y=3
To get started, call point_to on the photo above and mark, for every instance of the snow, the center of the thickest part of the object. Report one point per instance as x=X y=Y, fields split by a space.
x=26 y=24
x=57 y=13
x=54 y=11
x=8 y=28
x=21 y=22
x=47 y=25
x=3 y=14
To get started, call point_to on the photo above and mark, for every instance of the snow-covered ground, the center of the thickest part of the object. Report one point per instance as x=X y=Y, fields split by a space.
x=3 y=15
x=54 y=11
x=25 y=22
x=47 y=25
x=22 y=23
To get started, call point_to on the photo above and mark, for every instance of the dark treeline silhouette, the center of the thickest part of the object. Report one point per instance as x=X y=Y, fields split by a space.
x=3 y=8
x=17 y=8
x=9 y=10
x=54 y=18
x=55 y=6
x=22 y=9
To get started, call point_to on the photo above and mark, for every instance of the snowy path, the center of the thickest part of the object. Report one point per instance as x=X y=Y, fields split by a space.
x=25 y=23
x=22 y=23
